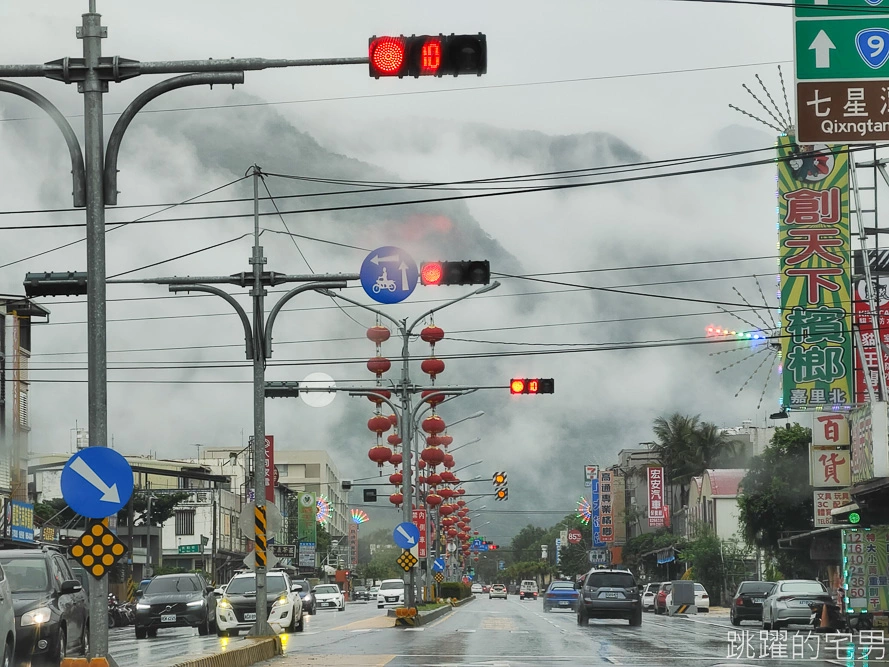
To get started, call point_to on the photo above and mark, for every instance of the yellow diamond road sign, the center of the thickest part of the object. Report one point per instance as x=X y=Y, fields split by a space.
x=97 y=550
x=439 y=577
x=406 y=560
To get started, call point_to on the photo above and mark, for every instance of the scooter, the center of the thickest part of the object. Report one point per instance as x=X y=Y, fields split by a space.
x=837 y=619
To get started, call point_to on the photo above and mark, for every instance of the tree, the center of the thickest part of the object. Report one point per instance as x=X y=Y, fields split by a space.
x=383 y=566
x=162 y=507
x=55 y=512
x=718 y=564
x=676 y=437
x=525 y=546
x=776 y=498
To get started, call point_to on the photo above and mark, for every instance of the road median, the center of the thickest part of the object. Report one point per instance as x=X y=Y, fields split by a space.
x=251 y=652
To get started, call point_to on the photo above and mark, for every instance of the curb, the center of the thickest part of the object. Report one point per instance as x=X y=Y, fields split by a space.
x=422 y=618
x=258 y=650
x=460 y=603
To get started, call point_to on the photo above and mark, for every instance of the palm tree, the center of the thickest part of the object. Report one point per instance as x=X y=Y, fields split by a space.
x=709 y=444
x=675 y=447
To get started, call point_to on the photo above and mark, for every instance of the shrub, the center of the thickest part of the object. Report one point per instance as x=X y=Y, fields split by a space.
x=454 y=589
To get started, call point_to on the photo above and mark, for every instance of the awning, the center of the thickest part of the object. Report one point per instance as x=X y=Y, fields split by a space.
x=851 y=507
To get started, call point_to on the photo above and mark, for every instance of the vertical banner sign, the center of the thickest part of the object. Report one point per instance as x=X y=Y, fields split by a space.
x=619 y=508
x=815 y=250
x=419 y=518
x=270 y=468
x=830 y=457
x=595 y=505
x=558 y=551
x=865 y=555
x=656 y=496
x=870 y=365
x=606 y=507
x=353 y=543
x=306 y=528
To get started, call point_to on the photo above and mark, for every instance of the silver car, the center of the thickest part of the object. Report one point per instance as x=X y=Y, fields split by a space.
x=788 y=602
x=7 y=622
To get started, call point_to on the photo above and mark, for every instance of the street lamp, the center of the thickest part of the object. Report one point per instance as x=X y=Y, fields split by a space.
x=471 y=442
x=468 y=465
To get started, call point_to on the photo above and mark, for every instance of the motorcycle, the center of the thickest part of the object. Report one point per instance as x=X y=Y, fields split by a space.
x=117 y=616
x=838 y=620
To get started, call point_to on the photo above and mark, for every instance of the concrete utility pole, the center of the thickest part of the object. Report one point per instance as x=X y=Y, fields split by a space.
x=94 y=174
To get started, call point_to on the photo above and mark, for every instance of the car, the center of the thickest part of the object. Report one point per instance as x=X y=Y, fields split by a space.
x=360 y=593
x=237 y=609
x=648 y=596
x=497 y=591
x=305 y=594
x=7 y=622
x=329 y=595
x=485 y=588
x=391 y=592
x=788 y=602
x=372 y=593
x=747 y=601
x=175 y=601
x=702 y=598
x=560 y=595
x=528 y=590
x=50 y=606
x=476 y=589
x=609 y=594
x=660 y=600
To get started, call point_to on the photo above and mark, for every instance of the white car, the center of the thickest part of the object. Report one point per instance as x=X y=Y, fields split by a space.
x=330 y=596
x=477 y=588
x=702 y=598
x=788 y=602
x=391 y=592
x=648 y=596
x=236 y=610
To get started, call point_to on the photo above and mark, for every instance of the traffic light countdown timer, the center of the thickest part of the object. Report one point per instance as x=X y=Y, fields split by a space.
x=427 y=55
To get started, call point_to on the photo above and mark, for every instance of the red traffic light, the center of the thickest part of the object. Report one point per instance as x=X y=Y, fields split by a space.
x=427 y=55
x=532 y=386
x=431 y=273
x=387 y=55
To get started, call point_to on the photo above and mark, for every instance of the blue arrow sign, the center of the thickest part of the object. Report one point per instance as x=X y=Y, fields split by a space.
x=97 y=482
x=438 y=564
x=406 y=535
x=389 y=275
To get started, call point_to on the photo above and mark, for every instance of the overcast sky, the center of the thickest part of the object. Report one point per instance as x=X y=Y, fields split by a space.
x=570 y=85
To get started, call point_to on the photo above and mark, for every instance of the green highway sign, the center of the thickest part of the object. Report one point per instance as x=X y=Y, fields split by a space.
x=850 y=48
x=189 y=548
x=837 y=8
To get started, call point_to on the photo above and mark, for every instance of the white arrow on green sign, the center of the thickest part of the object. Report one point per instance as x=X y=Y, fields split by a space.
x=845 y=49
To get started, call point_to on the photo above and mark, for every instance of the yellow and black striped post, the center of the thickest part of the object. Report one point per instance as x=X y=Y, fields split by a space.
x=259 y=537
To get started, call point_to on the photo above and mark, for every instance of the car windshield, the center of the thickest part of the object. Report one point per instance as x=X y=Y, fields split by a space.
x=326 y=589
x=26 y=575
x=275 y=583
x=163 y=585
x=610 y=580
x=390 y=585
x=802 y=587
x=754 y=587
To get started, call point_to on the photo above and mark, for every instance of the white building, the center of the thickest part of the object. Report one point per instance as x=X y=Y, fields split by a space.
x=713 y=501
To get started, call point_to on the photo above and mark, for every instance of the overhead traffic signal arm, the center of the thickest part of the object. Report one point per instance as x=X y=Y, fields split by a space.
x=427 y=55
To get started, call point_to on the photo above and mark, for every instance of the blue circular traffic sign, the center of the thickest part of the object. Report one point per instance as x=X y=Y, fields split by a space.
x=406 y=535
x=97 y=482
x=389 y=275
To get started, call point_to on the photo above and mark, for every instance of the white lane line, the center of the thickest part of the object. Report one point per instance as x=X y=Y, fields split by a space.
x=462 y=630
x=518 y=632
x=413 y=629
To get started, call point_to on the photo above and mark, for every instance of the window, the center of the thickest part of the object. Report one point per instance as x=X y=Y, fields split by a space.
x=610 y=580
x=185 y=522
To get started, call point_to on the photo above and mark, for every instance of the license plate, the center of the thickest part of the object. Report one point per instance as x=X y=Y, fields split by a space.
x=563 y=603
x=250 y=616
x=391 y=599
x=802 y=603
x=757 y=600
x=168 y=618
x=612 y=596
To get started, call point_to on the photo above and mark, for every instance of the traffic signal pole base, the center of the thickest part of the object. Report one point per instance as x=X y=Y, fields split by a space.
x=261 y=630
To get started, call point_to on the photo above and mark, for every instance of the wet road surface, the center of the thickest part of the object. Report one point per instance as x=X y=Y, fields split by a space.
x=511 y=633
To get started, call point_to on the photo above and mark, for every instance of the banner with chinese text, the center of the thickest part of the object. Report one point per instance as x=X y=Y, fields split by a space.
x=866 y=555
x=606 y=506
x=306 y=529
x=830 y=457
x=815 y=250
x=656 y=496
x=864 y=324
x=825 y=501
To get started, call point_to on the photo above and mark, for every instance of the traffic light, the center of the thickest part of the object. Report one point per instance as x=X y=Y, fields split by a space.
x=427 y=55
x=67 y=283
x=465 y=272
x=532 y=386
x=370 y=495
x=499 y=478
x=501 y=494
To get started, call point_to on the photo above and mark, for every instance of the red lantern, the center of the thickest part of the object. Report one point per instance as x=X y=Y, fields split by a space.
x=396 y=499
x=434 y=479
x=446 y=493
x=432 y=456
x=433 y=440
x=379 y=334
x=394 y=439
x=433 y=499
x=446 y=509
x=446 y=439
x=378 y=365
x=476 y=558
x=421 y=480
x=449 y=462
x=395 y=478
x=461 y=503
x=396 y=458
x=377 y=395
x=463 y=511
x=475 y=532
x=432 y=366
x=461 y=524
x=452 y=533
x=379 y=455
x=393 y=419
x=461 y=491
x=433 y=425
x=447 y=476
x=431 y=335
x=378 y=424
x=421 y=464
x=435 y=400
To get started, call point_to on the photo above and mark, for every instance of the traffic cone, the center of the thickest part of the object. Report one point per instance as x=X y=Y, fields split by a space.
x=825 y=619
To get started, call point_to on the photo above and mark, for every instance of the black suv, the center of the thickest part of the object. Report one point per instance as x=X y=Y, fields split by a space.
x=609 y=594
x=309 y=606
x=51 y=607
x=176 y=600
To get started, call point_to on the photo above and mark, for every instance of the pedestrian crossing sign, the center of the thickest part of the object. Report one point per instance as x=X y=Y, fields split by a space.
x=406 y=560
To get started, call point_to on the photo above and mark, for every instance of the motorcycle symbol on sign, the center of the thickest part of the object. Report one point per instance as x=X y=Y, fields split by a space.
x=383 y=283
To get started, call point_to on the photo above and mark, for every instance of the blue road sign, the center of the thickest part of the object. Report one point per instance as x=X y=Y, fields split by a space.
x=389 y=275
x=97 y=482
x=406 y=535
x=438 y=564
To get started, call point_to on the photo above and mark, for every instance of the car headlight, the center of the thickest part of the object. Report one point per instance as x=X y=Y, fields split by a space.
x=281 y=601
x=37 y=616
x=196 y=603
x=143 y=605
x=224 y=604
x=308 y=597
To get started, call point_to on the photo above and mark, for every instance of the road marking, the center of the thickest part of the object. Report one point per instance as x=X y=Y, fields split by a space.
x=613 y=661
x=518 y=632
x=462 y=630
x=332 y=660
x=375 y=622
x=416 y=629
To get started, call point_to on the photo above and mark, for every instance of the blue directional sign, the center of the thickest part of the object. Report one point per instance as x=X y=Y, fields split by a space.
x=389 y=275
x=97 y=482
x=438 y=564
x=406 y=535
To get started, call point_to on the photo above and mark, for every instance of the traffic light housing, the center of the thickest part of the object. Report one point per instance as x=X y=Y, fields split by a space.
x=532 y=386
x=499 y=478
x=66 y=283
x=464 y=272
x=427 y=55
x=370 y=495
x=501 y=494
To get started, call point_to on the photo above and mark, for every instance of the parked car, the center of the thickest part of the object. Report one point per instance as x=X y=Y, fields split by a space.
x=702 y=598
x=747 y=601
x=788 y=602
x=360 y=593
x=497 y=591
x=528 y=590
x=660 y=600
x=305 y=594
x=609 y=594
x=560 y=595
x=51 y=608
x=476 y=589
x=237 y=609
x=7 y=622
x=391 y=592
x=648 y=596
x=329 y=595
x=175 y=600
